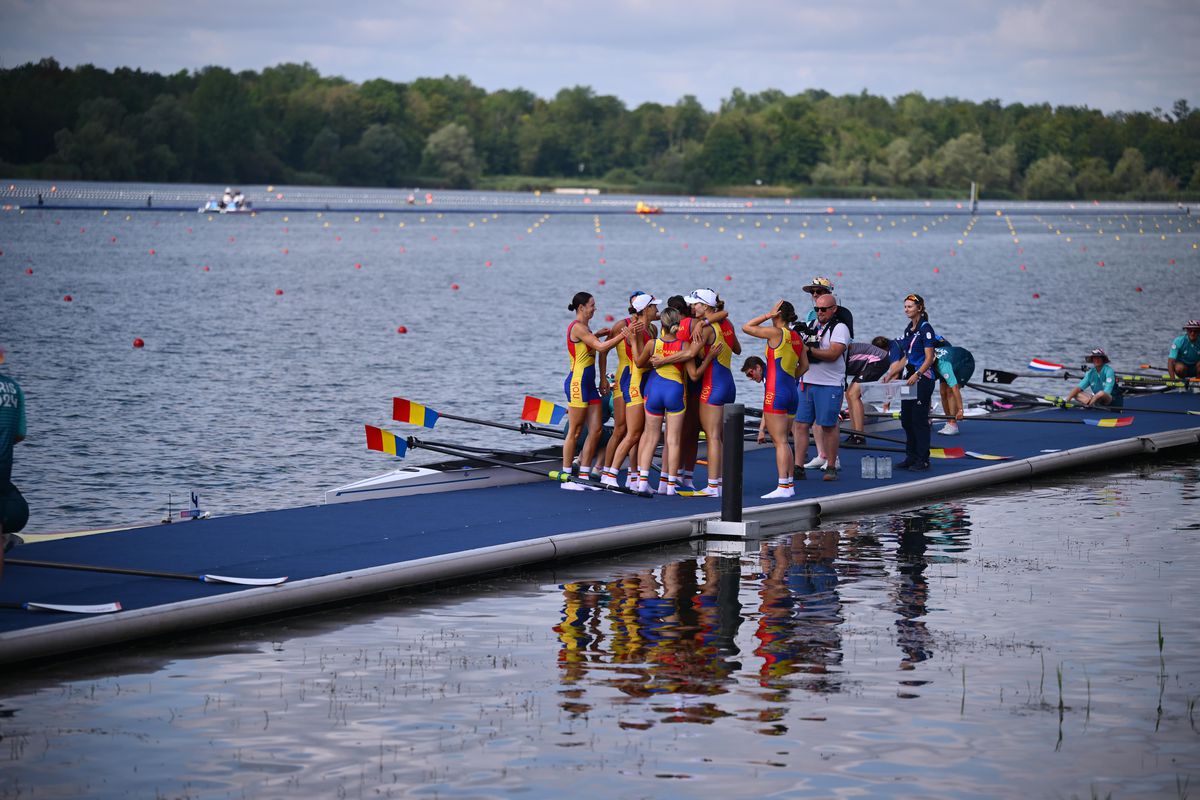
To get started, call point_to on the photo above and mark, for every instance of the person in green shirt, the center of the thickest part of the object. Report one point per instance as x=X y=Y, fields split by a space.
x=1099 y=386
x=1185 y=352
x=14 y=511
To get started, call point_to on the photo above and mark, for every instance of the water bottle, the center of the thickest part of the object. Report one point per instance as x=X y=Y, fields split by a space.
x=883 y=467
x=868 y=467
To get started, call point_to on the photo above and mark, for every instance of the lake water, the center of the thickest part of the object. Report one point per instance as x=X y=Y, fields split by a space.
x=1004 y=643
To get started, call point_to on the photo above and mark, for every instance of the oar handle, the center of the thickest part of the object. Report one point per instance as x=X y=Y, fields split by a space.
x=489 y=423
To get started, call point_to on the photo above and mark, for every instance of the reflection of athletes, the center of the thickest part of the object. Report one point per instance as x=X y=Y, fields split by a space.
x=800 y=612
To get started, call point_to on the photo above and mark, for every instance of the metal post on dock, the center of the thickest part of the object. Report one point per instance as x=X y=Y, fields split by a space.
x=732 y=457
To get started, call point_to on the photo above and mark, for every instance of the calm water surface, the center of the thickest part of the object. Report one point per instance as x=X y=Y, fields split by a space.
x=999 y=644
x=1003 y=644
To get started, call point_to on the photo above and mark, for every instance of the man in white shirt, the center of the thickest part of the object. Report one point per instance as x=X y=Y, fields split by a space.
x=821 y=390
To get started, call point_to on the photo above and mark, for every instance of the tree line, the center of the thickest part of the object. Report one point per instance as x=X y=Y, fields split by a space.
x=289 y=124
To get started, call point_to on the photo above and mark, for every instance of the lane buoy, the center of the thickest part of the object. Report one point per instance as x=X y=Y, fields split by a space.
x=278 y=292
x=487 y=263
x=602 y=281
x=1036 y=295
x=728 y=277
x=67 y=298
x=29 y=270
x=1138 y=289
x=138 y=343
x=609 y=317
x=358 y=266
x=402 y=329
x=454 y=286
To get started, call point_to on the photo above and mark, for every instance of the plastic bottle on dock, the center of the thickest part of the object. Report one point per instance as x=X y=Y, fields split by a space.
x=883 y=467
x=868 y=467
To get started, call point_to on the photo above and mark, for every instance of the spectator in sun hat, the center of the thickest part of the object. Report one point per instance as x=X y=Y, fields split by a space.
x=1185 y=352
x=819 y=286
x=1099 y=386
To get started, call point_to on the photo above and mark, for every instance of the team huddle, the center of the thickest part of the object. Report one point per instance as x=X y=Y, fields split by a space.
x=674 y=376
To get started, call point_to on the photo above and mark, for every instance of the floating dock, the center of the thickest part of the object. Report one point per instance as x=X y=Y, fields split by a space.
x=337 y=552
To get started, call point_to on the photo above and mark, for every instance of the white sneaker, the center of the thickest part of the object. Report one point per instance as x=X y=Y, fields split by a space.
x=782 y=491
x=949 y=429
x=708 y=491
x=817 y=463
x=670 y=490
x=662 y=488
x=609 y=480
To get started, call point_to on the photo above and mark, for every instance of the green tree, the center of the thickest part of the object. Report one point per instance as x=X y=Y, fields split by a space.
x=1049 y=178
x=1130 y=172
x=450 y=154
x=1093 y=178
x=727 y=153
x=960 y=161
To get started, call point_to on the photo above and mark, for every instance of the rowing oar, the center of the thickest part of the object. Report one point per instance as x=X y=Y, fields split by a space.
x=147 y=573
x=556 y=475
x=417 y=414
x=1059 y=402
x=1105 y=422
x=104 y=608
x=1002 y=376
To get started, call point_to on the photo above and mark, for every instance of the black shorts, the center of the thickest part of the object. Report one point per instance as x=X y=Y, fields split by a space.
x=872 y=372
x=14 y=511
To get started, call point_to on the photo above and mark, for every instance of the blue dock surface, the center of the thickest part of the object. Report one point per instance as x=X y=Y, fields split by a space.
x=335 y=552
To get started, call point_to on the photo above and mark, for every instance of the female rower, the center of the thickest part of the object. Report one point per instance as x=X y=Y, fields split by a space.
x=786 y=361
x=628 y=402
x=917 y=344
x=583 y=400
x=716 y=385
x=671 y=358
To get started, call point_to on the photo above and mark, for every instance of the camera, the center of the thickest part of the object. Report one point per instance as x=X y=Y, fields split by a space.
x=808 y=334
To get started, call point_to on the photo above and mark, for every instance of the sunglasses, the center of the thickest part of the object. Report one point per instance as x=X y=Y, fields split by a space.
x=823 y=308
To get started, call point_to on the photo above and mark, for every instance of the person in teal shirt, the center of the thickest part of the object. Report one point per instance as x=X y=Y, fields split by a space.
x=14 y=512
x=1099 y=386
x=954 y=366
x=1185 y=352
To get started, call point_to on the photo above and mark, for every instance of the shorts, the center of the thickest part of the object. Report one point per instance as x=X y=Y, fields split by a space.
x=580 y=389
x=717 y=388
x=14 y=511
x=631 y=390
x=872 y=372
x=663 y=396
x=1189 y=370
x=783 y=399
x=820 y=405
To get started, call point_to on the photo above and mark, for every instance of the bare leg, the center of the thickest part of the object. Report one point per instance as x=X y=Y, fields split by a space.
x=575 y=420
x=712 y=420
x=618 y=432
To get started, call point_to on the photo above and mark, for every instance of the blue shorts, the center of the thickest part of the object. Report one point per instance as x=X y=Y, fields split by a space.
x=580 y=389
x=663 y=396
x=717 y=387
x=820 y=405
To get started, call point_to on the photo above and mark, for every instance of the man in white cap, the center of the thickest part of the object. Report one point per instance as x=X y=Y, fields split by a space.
x=1185 y=352
x=14 y=512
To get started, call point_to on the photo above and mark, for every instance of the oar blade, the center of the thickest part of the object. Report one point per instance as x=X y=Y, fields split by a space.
x=1109 y=422
x=242 y=581
x=947 y=452
x=998 y=376
x=413 y=413
x=987 y=456
x=1044 y=366
x=542 y=412
x=100 y=608
x=385 y=442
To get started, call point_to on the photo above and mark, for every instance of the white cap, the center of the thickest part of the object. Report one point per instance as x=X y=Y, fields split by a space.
x=640 y=300
x=706 y=296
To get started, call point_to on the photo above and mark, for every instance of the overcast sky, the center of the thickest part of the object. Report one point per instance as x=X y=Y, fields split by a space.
x=1107 y=54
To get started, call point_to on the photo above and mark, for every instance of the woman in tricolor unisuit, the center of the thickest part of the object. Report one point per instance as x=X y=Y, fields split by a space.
x=716 y=384
x=629 y=417
x=583 y=398
x=671 y=358
x=786 y=361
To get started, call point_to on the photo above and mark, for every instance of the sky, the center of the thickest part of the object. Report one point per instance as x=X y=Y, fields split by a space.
x=1113 y=55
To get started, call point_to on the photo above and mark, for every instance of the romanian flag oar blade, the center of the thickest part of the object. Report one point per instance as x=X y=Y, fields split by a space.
x=413 y=413
x=987 y=456
x=1109 y=422
x=947 y=452
x=385 y=442
x=542 y=411
x=102 y=608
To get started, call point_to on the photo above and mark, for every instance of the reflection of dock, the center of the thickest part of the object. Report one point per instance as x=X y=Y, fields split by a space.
x=337 y=552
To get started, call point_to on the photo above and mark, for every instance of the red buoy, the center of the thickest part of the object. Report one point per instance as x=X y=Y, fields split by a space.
x=29 y=270
x=402 y=329
x=67 y=298
x=603 y=261
x=601 y=281
x=358 y=266
x=609 y=317
x=138 y=343
x=935 y=269
x=206 y=267
x=151 y=251
x=1036 y=295
x=1138 y=289
x=454 y=286
x=728 y=277
x=278 y=292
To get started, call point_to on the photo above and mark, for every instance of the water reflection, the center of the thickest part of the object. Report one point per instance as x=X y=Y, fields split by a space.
x=676 y=630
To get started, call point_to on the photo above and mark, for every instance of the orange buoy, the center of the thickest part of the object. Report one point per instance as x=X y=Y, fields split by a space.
x=67 y=298
x=278 y=292
x=138 y=343
x=402 y=329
